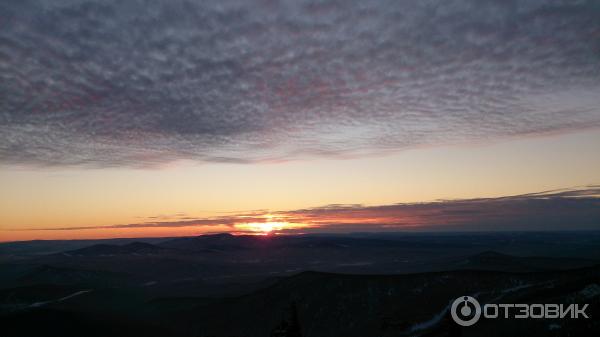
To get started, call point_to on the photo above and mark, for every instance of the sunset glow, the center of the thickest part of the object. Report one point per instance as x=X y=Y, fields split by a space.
x=303 y=107
x=262 y=227
x=299 y=168
x=268 y=227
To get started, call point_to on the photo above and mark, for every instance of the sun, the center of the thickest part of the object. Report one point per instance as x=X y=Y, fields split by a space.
x=266 y=226
x=263 y=227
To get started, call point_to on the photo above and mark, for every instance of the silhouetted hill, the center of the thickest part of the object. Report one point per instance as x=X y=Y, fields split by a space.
x=381 y=305
x=223 y=242
x=45 y=247
x=139 y=248
x=363 y=285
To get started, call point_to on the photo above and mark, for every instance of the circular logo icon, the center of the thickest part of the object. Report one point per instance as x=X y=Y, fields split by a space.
x=465 y=310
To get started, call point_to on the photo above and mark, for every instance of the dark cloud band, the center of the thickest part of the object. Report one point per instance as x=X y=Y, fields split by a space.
x=573 y=209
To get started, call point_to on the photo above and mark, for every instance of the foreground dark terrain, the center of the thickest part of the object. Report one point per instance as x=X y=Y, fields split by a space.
x=326 y=285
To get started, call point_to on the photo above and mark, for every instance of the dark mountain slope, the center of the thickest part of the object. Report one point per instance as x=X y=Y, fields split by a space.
x=369 y=305
x=491 y=260
x=67 y=276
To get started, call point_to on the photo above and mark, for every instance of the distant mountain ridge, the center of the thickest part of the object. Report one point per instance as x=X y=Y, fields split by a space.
x=140 y=248
x=353 y=286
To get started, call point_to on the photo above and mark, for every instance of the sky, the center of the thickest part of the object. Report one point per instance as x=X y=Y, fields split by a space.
x=153 y=118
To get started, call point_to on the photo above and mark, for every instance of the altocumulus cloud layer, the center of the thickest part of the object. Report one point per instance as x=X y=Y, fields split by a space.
x=140 y=83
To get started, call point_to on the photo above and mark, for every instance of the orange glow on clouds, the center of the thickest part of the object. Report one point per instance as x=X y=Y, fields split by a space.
x=532 y=211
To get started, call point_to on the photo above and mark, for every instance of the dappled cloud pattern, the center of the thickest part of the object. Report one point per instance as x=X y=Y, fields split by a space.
x=143 y=83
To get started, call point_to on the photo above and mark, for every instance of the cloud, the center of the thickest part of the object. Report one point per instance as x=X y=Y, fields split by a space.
x=142 y=83
x=569 y=209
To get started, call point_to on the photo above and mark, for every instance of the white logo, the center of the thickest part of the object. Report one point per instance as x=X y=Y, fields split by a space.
x=465 y=310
